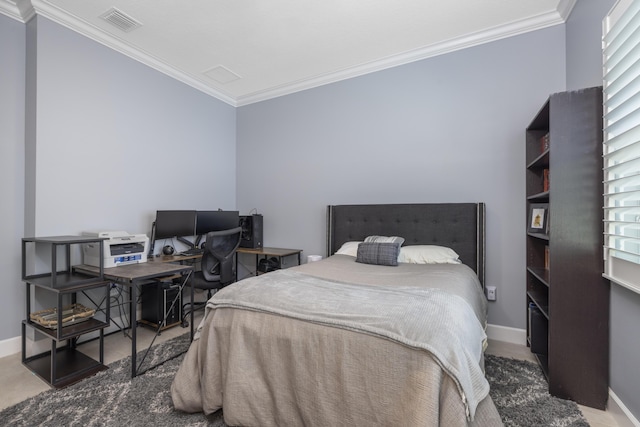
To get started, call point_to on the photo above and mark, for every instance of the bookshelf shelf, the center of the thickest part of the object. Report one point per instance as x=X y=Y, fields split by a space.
x=61 y=365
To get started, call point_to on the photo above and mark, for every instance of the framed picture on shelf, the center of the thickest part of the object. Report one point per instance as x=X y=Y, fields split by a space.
x=538 y=218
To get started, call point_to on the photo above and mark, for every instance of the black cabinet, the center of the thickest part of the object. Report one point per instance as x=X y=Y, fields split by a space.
x=64 y=364
x=567 y=299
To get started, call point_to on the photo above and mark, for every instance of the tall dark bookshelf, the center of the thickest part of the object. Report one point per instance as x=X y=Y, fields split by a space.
x=567 y=298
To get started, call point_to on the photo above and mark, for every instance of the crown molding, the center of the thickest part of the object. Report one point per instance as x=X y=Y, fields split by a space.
x=20 y=10
x=23 y=10
x=504 y=31
x=565 y=7
x=73 y=23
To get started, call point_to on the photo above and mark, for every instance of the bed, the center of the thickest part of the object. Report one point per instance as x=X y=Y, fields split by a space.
x=340 y=342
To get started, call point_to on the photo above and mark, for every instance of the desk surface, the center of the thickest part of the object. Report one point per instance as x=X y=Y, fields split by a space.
x=173 y=258
x=141 y=271
x=256 y=251
x=269 y=251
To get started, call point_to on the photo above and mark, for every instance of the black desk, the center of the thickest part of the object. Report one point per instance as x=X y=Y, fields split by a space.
x=133 y=275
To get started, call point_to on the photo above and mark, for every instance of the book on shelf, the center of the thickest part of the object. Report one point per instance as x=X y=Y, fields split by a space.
x=547 y=226
x=546 y=257
x=544 y=143
x=545 y=180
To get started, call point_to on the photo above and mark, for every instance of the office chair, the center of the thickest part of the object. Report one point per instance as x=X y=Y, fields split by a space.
x=217 y=268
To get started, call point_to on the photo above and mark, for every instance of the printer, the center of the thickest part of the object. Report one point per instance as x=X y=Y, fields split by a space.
x=120 y=248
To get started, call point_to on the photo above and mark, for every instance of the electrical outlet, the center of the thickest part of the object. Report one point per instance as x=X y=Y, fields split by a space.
x=492 y=293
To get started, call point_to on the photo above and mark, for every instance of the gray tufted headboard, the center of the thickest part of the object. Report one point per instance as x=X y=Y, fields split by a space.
x=459 y=226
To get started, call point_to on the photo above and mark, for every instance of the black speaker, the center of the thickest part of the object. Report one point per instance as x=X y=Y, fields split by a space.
x=251 y=231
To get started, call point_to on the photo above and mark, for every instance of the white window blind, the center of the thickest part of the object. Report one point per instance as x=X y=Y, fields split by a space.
x=621 y=52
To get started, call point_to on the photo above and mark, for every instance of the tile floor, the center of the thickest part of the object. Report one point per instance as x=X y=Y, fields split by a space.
x=18 y=383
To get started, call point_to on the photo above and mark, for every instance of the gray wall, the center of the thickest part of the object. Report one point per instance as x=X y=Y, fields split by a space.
x=116 y=140
x=445 y=129
x=625 y=347
x=584 y=43
x=12 y=167
x=108 y=140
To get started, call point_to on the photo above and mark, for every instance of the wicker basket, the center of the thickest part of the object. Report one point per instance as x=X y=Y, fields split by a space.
x=71 y=314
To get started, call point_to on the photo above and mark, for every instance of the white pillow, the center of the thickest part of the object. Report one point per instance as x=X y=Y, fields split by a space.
x=384 y=239
x=428 y=254
x=349 y=248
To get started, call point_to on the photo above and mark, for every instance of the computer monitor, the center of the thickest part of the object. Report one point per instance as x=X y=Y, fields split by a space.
x=207 y=221
x=171 y=224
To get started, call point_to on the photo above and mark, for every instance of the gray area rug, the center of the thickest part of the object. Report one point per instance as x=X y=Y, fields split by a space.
x=112 y=398
x=521 y=394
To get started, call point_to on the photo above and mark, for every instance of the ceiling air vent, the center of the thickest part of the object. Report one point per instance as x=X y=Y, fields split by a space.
x=222 y=74
x=120 y=20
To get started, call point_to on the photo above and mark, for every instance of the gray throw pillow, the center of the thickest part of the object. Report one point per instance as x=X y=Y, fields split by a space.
x=378 y=253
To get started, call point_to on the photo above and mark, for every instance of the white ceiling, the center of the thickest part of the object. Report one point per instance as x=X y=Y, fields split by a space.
x=244 y=51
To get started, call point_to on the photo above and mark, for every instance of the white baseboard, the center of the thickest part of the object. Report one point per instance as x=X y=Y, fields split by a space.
x=507 y=334
x=10 y=346
x=619 y=411
x=37 y=342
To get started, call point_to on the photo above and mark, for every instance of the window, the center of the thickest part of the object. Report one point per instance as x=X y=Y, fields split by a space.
x=621 y=48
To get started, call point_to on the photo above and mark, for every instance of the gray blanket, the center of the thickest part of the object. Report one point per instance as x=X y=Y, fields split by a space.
x=430 y=319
